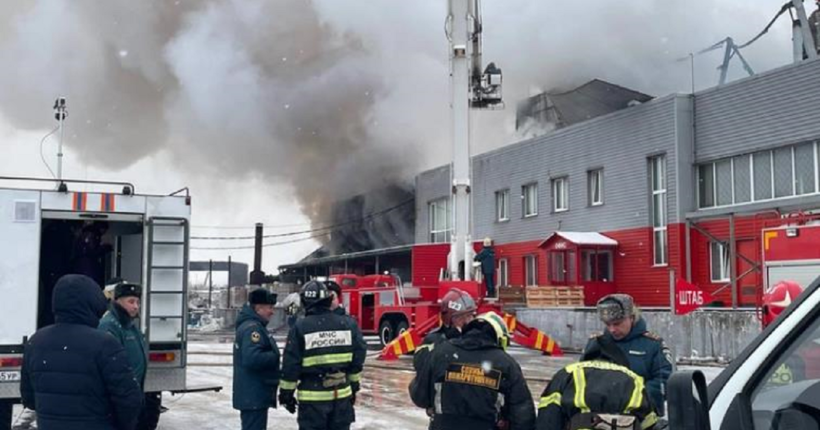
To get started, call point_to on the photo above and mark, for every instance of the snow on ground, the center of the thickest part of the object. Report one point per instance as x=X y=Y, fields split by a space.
x=382 y=403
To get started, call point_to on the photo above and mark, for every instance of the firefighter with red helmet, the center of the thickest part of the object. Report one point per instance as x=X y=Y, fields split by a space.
x=457 y=309
x=472 y=383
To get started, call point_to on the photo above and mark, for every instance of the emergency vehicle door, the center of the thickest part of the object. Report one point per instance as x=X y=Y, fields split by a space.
x=20 y=221
x=167 y=276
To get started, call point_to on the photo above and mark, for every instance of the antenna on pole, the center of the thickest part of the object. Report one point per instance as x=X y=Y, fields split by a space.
x=60 y=114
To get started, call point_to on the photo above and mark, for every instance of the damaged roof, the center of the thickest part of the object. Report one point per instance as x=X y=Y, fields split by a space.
x=590 y=100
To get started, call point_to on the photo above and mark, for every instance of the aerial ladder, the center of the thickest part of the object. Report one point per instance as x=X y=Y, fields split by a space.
x=471 y=87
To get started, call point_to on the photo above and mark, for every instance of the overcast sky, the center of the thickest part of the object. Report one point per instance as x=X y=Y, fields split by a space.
x=269 y=109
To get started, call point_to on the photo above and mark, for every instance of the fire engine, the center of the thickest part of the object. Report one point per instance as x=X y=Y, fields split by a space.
x=109 y=232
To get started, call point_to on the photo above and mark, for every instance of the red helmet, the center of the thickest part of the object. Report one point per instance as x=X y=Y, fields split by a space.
x=778 y=299
x=456 y=303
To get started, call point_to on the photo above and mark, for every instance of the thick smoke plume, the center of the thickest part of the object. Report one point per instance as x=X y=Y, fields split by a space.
x=332 y=98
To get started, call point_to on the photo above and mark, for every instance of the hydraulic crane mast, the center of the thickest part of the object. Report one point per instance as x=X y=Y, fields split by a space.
x=468 y=88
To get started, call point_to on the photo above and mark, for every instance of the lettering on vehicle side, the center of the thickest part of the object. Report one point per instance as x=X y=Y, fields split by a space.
x=327 y=339
x=469 y=374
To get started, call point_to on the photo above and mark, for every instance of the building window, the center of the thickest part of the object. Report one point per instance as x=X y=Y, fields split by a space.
x=560 y=194
x=529 y=193
x=502 y=205
x=657 y=181
x=765 y=175
x=531 y=270
x=503 y=273
x=441 y=223
x=595 y=178
x=597 y=265
x=719 y=258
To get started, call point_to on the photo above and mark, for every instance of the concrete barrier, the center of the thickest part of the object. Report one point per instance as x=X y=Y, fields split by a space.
x=709 y=335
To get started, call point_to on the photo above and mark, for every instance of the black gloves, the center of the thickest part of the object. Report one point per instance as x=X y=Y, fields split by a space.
x=287 y=399
x=355 y=386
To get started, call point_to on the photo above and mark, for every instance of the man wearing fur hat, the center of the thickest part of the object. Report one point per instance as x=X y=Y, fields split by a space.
x=647 y=354
x=255 y=361
x=122 y=321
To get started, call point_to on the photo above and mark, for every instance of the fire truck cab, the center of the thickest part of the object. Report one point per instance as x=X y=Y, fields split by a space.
x=105 y=233
x=383 y=305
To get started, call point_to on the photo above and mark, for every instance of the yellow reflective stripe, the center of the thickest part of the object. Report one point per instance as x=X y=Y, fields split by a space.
x=649 y=421
x=323 y=396
x=637 y=395
x=539 y=338
x=580 y=389
x=409 y=339
x=319 y=360
x=287 y=385
x=397 y=347
x=550 y=345
x=552 y=399
x=428 y=346
x=604 y=365
x=355 y=377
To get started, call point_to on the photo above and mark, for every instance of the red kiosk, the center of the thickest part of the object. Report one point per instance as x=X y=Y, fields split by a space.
x=581 y=258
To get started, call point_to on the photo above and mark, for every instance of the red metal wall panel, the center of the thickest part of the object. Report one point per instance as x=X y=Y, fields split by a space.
x=428 y=260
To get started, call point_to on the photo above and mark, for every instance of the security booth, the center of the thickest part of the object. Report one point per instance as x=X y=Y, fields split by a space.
x=581 y=259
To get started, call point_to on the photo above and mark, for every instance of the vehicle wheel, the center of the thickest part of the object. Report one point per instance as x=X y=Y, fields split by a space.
x=402 y=327
x=386 y=332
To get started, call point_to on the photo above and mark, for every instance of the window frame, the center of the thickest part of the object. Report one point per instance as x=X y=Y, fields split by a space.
x=525 y=194
x=503 y=272
x=448 y=227
x=503 y=205
x=663 y=222
x=563 y=183
x=592 y=185
x=724 y=270
x=531 y=268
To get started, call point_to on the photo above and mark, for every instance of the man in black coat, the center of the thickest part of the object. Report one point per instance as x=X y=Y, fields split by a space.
x=487 y=259
x=473 y=384
x=75 y=376
x=255 y=361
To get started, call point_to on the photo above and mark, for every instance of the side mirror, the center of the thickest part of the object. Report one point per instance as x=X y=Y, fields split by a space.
x=687 y=401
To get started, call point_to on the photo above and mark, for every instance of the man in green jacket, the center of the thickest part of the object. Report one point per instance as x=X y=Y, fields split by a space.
x=121 y=321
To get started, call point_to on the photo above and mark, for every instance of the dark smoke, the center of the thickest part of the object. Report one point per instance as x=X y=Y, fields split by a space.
x=333 y=98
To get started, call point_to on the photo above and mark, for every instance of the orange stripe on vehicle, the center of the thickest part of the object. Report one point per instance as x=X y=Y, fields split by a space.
x=397 y=348
x=550 y=345
x=766 y=236
x=539 y=339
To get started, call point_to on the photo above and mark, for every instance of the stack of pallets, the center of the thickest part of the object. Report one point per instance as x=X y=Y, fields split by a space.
x=549 y=297
x=512 y=297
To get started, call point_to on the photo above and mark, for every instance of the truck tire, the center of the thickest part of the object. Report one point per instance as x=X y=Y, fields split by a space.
x=402 y=327
x=386 y=331
x=149 y=416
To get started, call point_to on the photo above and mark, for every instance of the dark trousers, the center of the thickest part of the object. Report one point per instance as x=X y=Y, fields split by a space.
x=254 y=419
x=489 y=281
x=6 y=414
x=335 y=415
x=149 y=416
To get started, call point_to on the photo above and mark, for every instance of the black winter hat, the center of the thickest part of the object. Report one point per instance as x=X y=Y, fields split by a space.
x=261 y=296
x=127 y=290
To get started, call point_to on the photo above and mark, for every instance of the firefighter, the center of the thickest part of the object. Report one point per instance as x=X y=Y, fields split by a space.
x=647 y=354
x=472 y=383
x=487 y=259
x=336 y=305
x=255 y=361
x=457 y=310
x=322 y=365
x=595 y=392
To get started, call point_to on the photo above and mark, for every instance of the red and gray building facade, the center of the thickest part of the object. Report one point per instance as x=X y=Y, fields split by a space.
x=681 y=183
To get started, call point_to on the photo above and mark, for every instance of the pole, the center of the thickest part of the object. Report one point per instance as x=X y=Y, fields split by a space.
x=59 y=115
x=688 y=241
x=672 y=291
x=732 y=260
x=229 y=282
x=210 y=283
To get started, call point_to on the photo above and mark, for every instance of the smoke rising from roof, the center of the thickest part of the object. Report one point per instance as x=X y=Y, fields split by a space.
x=330 y=97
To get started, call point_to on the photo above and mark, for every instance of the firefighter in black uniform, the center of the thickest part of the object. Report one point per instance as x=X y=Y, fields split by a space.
x=473 y=384
x=598 y=392
x=457 y=310
x=322 y=365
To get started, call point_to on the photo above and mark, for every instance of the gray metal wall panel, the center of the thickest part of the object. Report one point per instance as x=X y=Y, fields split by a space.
x=430 y=185
x=775 y=108
x=619 y=143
